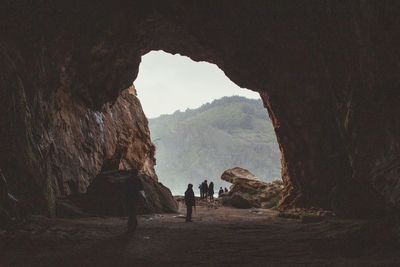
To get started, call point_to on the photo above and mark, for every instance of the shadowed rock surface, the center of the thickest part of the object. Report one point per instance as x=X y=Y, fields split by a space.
x=106 y=196
x=4 y=209
x=327 y=72
x=249 y=191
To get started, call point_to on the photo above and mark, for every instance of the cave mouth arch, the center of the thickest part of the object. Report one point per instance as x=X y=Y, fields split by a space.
x=174 y=89
x=321 y=99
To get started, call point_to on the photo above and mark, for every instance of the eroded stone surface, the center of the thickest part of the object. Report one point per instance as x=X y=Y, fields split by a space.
x=249 y=191
x=79 y=143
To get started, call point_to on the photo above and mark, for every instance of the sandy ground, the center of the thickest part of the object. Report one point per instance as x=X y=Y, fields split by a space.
x=217 y=237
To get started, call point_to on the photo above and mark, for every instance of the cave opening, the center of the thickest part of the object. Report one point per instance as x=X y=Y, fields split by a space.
x=202 y=123
x=326 y=70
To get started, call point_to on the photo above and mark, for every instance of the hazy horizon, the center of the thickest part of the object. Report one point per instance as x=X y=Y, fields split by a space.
x=167 y=83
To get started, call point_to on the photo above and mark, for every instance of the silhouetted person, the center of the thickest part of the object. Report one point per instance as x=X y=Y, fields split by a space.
x=211 y=190
x=134 y=189
x=205 y=189
x=220 y=192
x=226 y=190
x=201 y=191
x=190 y=202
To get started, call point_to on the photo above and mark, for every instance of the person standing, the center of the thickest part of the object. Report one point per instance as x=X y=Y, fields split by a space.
x=211 y=190
x=190 y=202
x=205 y=189
x=220 y=192
x=134 y=189
x=201 y=191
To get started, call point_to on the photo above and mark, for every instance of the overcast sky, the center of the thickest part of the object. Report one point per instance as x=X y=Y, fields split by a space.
x=168 y=82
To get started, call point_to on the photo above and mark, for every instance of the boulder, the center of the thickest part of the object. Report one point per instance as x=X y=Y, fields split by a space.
x=248 y=191
x=66 y=208
x=237 y=201
x=106 y=195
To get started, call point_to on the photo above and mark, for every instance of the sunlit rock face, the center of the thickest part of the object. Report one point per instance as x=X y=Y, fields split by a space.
x=86 y=141
x=326 y=70
x=249 y=191
x=73 y=144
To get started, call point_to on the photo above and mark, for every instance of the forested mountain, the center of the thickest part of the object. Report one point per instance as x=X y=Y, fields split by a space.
x=201 y=143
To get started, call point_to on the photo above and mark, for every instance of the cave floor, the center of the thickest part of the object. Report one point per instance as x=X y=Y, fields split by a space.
x=217 y=237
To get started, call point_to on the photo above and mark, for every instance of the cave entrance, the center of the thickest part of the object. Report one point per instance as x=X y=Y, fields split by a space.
x=202 y=123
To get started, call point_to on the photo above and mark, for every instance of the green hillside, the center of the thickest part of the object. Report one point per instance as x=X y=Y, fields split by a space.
x=202 y=143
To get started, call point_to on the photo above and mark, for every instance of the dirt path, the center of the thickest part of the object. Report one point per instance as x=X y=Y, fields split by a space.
x=217 y=237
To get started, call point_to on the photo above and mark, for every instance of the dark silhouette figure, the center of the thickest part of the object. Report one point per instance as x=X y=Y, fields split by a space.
x=201 y=190
x=220 y=192
x=205 y=189
x=190 y=202
x=211 y=190
x=134 y=189
x=226 y=190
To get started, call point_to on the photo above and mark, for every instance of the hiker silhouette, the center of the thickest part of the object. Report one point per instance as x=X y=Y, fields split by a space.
x=190 y=202
x=134 y=189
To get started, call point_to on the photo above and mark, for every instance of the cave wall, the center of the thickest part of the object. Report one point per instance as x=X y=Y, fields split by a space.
x=88 y=141
x=327 y=72
x=67 y=145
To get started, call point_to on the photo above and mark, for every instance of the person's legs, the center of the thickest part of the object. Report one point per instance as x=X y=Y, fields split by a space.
x=188 y=213
x=132 y=219
x=132 y=223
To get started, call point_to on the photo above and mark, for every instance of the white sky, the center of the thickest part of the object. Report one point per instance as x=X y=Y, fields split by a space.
x=168 y=82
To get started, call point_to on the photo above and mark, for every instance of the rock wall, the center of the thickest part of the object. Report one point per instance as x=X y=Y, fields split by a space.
x=327 y=72
x=69 y=145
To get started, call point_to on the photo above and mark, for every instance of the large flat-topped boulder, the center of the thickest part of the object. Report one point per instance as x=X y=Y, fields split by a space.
x=242 y=177
x=249 y=191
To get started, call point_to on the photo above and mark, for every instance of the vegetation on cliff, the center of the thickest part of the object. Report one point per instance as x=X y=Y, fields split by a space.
x=202 y=143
